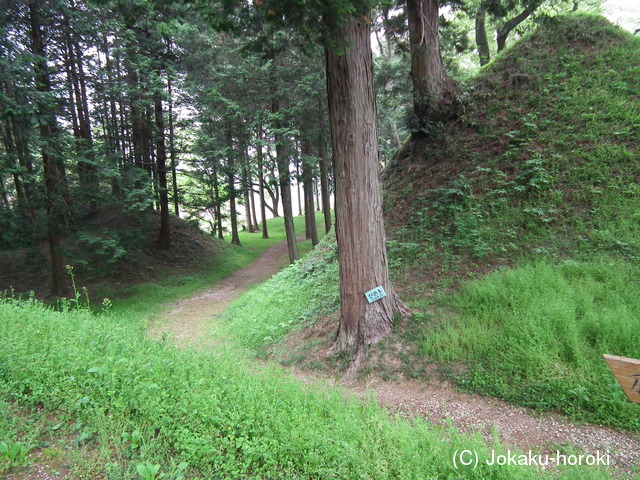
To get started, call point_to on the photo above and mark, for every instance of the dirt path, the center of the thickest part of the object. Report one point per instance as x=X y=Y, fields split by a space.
x=187 y=322
x=513 y=426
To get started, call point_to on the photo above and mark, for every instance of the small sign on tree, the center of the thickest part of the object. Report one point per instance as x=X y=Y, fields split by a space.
x=375 y=294
x=627 y=372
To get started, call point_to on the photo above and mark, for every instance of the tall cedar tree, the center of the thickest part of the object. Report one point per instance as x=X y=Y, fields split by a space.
x=360 y=233
x=55 y=181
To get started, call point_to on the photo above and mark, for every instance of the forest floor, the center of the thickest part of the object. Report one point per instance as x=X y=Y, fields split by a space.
x=188 y=323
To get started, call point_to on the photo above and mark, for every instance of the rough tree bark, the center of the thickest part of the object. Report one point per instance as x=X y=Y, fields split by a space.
x=431 y=87
x=481 y=37
x=362 y=252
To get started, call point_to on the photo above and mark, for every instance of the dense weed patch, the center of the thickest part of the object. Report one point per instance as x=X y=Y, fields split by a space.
x=154 y=410
x=535 y=336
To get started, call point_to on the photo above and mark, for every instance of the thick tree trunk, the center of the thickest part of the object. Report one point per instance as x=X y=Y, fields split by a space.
x=164 y=237
x=481 y=37
x=431 y=87
x=360 y=231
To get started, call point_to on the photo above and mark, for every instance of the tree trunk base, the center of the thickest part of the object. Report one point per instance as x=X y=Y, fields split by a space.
x=378 y=322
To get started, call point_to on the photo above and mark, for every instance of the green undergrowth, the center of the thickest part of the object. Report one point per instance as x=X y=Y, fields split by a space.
x=542 y=163
x=149 y=410
x=292 y=298
x=535 y=335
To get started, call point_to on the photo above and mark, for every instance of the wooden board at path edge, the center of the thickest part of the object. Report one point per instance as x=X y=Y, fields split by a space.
x=627 y=372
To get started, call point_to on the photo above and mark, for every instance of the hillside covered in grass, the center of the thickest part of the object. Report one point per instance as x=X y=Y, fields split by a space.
x=544 y=161
x=514 y=234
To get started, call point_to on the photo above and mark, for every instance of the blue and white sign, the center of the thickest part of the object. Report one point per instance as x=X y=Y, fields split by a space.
x=375 y=294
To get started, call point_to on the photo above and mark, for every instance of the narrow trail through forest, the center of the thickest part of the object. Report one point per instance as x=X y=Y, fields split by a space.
x=188 y=322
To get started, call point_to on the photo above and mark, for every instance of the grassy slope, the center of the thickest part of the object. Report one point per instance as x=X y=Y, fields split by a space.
x=547 y=163
x=536 y=182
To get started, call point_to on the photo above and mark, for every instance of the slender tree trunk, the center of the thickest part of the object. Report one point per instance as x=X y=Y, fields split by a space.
x=285 y=182
x=324 y=173
x=247 y=203
x=285 y=193
x=481 y=37
x=79 y=108
x=273 y=187
x=231 y=172
x=252 y=201
x=506 y=29
x=164 y=237
x=298 y=182
x=360 y=230
x=52 y=160
x=216 y=199
x=233 y=213
x=172 y=150
x=12 y=153
x=307 y=183
x=4 y=195
x=263 y=212
x=388 y=58
x=25 y=162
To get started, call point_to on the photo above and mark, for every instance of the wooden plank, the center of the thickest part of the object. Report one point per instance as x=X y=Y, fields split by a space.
x=627 y=372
